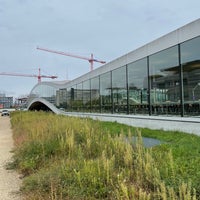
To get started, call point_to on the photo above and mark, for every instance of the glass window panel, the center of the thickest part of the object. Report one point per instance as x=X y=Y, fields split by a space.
x=79 y=96
x=105 y=92
x=61 y=98
x=86 y=96
x=138 y=85
x=95 y=95
x=119 y=90
x=190 y=60
x=190 y=50
x=69 y=99
x=164 y=82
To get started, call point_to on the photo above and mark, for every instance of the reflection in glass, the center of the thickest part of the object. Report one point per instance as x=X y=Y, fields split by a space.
x=138 y=85
x=190 y=60
x=119 y=90
x=164 y=82
x=105 y=92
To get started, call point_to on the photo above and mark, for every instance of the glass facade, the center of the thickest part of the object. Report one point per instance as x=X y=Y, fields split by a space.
x=44 y=91
x=164 y=83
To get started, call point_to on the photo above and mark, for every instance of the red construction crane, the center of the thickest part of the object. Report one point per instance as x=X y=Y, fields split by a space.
x=91 y=60
x=39 y=76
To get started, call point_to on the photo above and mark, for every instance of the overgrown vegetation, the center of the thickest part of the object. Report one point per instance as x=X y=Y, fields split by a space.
x=71 y=158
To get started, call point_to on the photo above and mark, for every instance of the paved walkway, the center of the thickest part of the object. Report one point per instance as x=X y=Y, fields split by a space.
x=9 y=180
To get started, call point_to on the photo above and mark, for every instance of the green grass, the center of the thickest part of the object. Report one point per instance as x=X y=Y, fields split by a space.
x=72 y=158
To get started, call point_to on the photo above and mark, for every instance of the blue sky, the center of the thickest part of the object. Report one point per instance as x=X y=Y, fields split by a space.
x=106 y=28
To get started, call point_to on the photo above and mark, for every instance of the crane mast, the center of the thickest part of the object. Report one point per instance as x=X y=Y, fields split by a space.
x=91 y=60
x=39 y=76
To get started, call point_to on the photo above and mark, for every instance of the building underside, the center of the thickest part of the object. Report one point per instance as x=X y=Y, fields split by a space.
x=40 y=104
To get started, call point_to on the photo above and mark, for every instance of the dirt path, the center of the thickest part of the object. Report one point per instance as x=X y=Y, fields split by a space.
x=9 y=180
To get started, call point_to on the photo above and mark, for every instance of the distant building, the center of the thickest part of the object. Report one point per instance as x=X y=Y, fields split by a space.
x=21 y=102
x=6 y=102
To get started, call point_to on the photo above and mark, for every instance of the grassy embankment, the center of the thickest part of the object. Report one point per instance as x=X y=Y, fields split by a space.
x=71 y=158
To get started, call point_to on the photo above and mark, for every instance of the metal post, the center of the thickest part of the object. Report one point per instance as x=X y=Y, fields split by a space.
x=149 y=87
x=181 y=81
x=127 y=93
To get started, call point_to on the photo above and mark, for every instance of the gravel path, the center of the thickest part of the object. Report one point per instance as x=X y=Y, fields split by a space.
x=9 y=180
